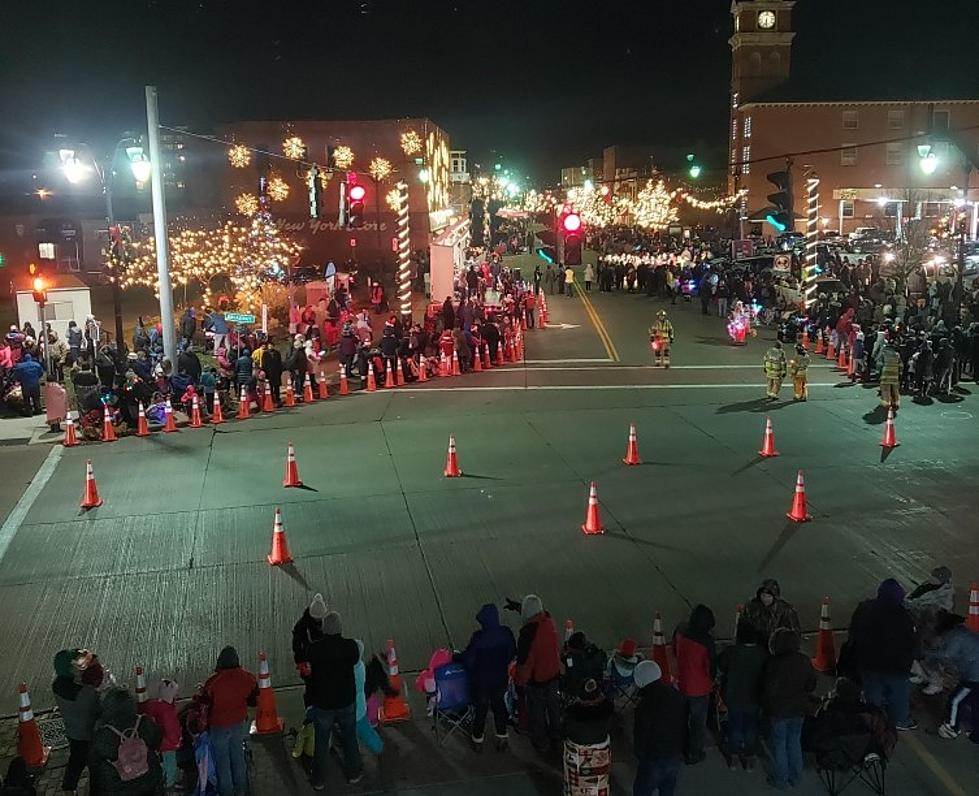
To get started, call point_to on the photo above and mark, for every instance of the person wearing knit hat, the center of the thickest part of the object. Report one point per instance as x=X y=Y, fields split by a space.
x=587 y=715
x=164 y=712
x=306 y=631
x=538 y=668
x=78 y=703
x=659 y=726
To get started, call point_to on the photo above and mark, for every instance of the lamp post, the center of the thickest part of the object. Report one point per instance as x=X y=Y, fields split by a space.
x=77 y=171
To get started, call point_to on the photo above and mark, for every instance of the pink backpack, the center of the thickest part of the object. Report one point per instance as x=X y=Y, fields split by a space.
x=132 y=759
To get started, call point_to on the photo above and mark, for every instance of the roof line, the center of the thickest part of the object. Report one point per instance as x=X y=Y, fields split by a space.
x=752 y=103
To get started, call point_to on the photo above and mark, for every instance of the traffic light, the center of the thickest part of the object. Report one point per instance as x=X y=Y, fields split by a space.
x=571 y=225
x=356 y=194
x=695 y=169
x=781 y=214
x=39 y=286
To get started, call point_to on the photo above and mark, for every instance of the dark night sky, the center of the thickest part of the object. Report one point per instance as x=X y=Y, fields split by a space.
x=547 y=83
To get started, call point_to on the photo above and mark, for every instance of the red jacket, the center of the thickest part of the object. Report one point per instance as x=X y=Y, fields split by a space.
x=229 y=693
x=165 y=715
x=693 y=667
x=538 y=655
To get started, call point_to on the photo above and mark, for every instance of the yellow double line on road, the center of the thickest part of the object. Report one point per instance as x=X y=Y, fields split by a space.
x=603 y=334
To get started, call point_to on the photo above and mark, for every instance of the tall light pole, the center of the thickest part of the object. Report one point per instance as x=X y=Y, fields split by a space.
x=167 y=320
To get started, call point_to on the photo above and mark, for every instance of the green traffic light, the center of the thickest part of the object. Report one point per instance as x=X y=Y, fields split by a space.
x=497 y=166
x=695 y=171
x=3 y=261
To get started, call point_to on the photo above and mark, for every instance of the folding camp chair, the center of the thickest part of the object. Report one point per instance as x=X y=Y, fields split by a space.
x=452 y=710
x=849 y=761
x=621 y=667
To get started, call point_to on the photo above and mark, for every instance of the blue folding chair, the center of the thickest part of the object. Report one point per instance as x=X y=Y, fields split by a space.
x=453 y=709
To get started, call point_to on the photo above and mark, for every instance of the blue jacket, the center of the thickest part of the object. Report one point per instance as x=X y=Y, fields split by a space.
x=28 y=372
x=490 y=650
x=960 y=646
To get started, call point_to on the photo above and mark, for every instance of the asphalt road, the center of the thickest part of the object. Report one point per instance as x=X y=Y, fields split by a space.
x=173 y=567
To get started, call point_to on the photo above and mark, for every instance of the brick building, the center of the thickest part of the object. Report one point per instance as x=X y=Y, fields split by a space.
x=867 y=161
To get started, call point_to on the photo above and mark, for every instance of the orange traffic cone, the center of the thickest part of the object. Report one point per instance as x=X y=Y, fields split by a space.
x=519 y=347
x=768 y=444
x=29 y=745
x=70 y=440
x=890 y=439
x=422 y=369
x=831 y=350
x=267 y=404
x=195 y=413
x=169 y=425
x=632 y=449
x=477 y=365
x=805 y=338
x=568 y=629
x=292 y=469
x=267 y=720
x=324 y=391
x=308 y=391
x=660 y=652
x=140 y=689
x=451 y=460
x=487 y=363
x=108 y=432
x=825 y=660
x=819 y=343
x=499 y=354
x=389 y=376
x=290 y=395
x=456 y=371
x=90 y=499
x=280 y=547
x=841 y=359
x=244 y=405
x=593 y=523
x=972 y=620
x=399 y=373
x=371 y=381
x=523 y=321
x=798 y=511
x=217 y=418
x=344 y=386
x=142 y=427
x=394 y=708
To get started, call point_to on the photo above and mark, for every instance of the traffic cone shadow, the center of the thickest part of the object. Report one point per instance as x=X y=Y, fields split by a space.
x=789 y=530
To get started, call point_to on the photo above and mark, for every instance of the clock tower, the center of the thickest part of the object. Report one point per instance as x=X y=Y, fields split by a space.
x=760 y=47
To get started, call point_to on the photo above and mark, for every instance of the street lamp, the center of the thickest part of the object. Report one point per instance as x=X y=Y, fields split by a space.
x=928 y=160
x=77 y=171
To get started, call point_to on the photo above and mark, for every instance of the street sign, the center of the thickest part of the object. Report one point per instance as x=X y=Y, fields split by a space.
x=239 y=317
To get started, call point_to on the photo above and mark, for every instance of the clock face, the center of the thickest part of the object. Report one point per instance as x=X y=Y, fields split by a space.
x=766 y=19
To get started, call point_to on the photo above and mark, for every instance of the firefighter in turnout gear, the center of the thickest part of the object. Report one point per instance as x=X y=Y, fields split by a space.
x=890 y=376
x=774 y=369
x=660 y=337
x=799 y=371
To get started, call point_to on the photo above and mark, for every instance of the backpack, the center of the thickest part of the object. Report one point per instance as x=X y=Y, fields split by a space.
x=132 y=758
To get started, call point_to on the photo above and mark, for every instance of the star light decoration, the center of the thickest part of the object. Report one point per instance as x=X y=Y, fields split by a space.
x=343 y=157
x=393 y=199
x=294 y=147
x=246 y=204
x=411 y=143
x=278 y=189
x=379 y=169
x=239 y=156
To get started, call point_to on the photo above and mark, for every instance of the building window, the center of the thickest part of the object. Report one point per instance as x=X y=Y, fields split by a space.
x=895 y=120
x=895 y=154
x=851 y=120
x=940 y=120
x=848 y=155
x=745 y=158
x=755 y=62
x=890 y=209
x=846 y=209
x=747 y=127
x=734 y=100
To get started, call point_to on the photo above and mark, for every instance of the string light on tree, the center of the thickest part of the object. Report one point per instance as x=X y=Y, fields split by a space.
x=294 y=147
x=411 y=143
x=278 y=189
x=343 y=157
x=654 y=208
x=246 y=204
x=379 y=169
x=239 y=156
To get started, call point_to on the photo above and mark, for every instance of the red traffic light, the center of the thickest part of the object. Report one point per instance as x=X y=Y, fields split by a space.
x=357 y=193
x=571 y=222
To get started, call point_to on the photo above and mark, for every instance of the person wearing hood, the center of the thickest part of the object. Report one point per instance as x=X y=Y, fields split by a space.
x=119 y=717
x=74 y=342
x=487 y=660
x=882 y=635
x=583 y=660
x=787 y=682
x=78 y=701
x=538 y=669
x=366 y=733
x=767 y=611
x=271 y=363
x=229 y=692
x=28 y=374
x=958 y=646
x=657 y=732
x=741 y=666
x=693 y=644
x=307 y=630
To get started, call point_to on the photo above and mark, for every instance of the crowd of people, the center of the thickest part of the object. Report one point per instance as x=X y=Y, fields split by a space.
x=565 y=696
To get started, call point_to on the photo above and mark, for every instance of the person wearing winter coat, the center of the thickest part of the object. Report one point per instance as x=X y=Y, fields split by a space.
x=297 y=364
x=657 y=732
x=959 y=647
x=162 y=710
x=119 y=717
x=696 y=661
x=78 y=702
x=767 y=611
x=587 y=715
x=787 y=682
x=882 y=635
x=229 y=693
x=188 y=325
x=582 y=661
x=741 y=666
x=487 y=660
x=538 y=670
x=307 y=630
x=271 y=363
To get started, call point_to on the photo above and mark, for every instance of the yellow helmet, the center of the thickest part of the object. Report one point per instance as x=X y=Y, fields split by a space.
x=661 y=314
